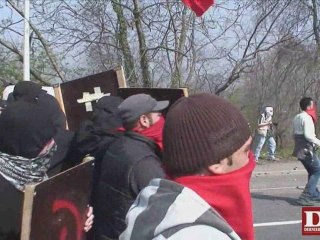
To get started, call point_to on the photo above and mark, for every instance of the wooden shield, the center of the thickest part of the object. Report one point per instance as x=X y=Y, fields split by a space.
x=78 y=97
x=56 y=208
x=171 y=94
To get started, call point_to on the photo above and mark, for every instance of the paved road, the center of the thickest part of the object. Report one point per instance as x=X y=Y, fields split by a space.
x=275 y=186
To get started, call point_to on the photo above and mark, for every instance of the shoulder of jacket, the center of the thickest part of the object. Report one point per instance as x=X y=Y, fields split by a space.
x=305 y=116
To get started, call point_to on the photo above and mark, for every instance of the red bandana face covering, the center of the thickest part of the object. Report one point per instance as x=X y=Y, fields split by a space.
x=313 y=113
x=229 y=194
x=154 y=132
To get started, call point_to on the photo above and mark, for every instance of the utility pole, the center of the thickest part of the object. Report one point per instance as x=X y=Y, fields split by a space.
x=26 y=42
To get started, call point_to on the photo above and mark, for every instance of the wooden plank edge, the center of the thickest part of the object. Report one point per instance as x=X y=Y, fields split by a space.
x=27 y=211
x=185 y=92
x=58 y=95
x=121 y=77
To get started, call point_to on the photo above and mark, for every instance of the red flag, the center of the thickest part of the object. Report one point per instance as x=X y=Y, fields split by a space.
x=198 y=6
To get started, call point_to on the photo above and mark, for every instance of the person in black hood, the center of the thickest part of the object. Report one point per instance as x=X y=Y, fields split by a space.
x=94 y=134
x=30 y=92
x=24 y=129
x=93 y=138
x=26 y=147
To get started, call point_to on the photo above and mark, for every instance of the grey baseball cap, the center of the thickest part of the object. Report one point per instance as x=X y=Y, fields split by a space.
x=136 y=105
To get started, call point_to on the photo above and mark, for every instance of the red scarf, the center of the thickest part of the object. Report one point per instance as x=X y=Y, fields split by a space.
x=154 y=132
x=229 y=194
x=313 y=113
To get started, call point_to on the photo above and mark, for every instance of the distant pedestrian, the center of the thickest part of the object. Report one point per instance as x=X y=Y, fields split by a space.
x=305 y=146
x=265 y=134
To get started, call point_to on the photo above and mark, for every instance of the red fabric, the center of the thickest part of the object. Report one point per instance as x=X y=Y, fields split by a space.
x=154 y=132
x=229 y=194
x=198 y=6
x=313 y=113
x=47 y=147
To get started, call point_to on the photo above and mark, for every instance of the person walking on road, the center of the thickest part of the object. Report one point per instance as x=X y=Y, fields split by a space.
x=265 y=133
x=305 y=146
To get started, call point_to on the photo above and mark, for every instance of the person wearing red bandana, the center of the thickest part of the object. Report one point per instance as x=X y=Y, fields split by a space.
x=208 y=163
x=131 y=160
x=306 y=143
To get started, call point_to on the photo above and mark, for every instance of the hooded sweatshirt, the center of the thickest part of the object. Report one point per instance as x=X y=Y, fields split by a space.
x=265 y=118
x=168 y=210
x=25 y=128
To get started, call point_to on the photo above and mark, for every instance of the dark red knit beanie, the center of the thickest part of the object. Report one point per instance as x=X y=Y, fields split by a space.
x=200 y=131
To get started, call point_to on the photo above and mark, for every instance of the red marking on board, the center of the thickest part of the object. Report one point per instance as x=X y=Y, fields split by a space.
x=64 y=204
x=63 y=233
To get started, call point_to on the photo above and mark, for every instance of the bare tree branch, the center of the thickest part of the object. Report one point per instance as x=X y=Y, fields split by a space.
x=43 y=42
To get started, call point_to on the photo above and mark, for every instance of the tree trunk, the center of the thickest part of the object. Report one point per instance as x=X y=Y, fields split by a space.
x=142 y=46
x=122 y=38
x=179 y=46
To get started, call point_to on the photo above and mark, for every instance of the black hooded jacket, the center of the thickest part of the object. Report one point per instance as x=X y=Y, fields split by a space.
x=27 y=92
x=93 y=135
x=130 y=162
x=24 y=129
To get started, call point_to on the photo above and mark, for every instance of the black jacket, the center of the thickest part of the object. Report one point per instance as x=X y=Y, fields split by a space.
x=63 y=140
x=88 y=139
x=128 y=165
x=25 y=128
x=303 y=149
x=11 y=201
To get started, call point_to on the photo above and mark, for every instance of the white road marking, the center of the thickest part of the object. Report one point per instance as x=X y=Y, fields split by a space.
x=276 y=188
x=268 y=224
x=283 y=172
x=277 y=172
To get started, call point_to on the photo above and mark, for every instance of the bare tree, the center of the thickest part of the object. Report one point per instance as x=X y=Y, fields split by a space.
x=162 y=43
x=143 y=53
x=122 y=36
x=43 y=41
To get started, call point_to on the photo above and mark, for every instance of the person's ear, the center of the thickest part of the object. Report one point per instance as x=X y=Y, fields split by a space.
x=219 y=168
x=144 y=121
